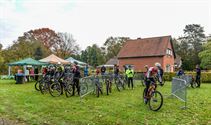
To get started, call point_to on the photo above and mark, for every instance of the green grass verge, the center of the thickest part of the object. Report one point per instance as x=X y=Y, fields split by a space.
x=22 y=103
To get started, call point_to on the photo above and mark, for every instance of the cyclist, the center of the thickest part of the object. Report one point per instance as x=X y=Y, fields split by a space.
x=145 y=73
x=76 y=76
x=160 y=73
x=151 y=73
x=130 y=74
x=125 y=68
x=103 y=70
x=198 y=75
x=60 y=75
x=116 y=72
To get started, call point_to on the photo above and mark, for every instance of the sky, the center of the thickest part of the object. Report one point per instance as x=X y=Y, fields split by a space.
x=92 y=21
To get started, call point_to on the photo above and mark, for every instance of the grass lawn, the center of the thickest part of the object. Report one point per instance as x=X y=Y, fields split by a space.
x=21 y=104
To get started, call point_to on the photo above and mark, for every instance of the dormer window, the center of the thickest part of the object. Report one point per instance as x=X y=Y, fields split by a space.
x=169 y=52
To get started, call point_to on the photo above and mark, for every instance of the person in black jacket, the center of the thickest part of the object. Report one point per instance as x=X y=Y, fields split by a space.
x=103 y=70
x=76 y=76
x=198 y=75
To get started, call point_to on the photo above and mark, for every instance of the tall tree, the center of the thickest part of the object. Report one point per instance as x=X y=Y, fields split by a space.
x=113 y=45
x=45 y=35
x=66 y=46
x=84 y=56
x=1 y=56
x=38 y=54
x=205 y=55
x=94 y=55
x=191 y=45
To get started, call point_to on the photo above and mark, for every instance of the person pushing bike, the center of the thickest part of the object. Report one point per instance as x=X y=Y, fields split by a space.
x=198 y=75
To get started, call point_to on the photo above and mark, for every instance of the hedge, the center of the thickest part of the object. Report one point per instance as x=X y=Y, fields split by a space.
x=205 y=76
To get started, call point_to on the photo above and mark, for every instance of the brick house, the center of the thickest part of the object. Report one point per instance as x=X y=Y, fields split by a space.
x=148 y=51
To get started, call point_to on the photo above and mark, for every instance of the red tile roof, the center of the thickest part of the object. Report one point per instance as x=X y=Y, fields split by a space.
x=154 y=46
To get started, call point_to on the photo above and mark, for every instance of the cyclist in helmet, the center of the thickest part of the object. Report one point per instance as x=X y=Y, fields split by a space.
x=151 y=73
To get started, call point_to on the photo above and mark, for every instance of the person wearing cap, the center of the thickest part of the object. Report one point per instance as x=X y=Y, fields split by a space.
x=130 y=75
x=151 y=73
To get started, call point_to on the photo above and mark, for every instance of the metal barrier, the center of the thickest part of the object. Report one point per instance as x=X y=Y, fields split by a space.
x=88 y=84
x=187 y=78
x=179 y=89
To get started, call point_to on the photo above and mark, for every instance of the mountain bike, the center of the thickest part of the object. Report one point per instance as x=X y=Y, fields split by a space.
x=108 y=83
x=60 y=86
x=154 y=97
x=193 y=82
x=119 y=83
x=45 y=84
x=98 y=86
x=83 y=86
x=40 y=81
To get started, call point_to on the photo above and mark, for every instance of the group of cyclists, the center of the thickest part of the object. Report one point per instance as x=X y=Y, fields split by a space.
x=58 y=72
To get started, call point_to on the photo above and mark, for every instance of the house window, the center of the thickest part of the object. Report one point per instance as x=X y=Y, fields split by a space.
x=169 y=52
x=168 y=68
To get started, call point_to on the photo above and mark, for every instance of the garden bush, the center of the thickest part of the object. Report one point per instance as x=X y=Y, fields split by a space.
x=205 y=76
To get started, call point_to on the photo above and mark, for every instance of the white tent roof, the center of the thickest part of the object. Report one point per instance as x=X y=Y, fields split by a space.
x=53 y=59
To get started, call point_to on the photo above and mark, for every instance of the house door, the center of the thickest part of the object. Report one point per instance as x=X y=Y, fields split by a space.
x=168 y=68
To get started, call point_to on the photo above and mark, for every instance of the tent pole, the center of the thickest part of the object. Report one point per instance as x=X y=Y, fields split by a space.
x=9 y=69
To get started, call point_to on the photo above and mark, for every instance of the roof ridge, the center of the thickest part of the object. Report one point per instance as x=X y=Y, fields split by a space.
x=150 y=37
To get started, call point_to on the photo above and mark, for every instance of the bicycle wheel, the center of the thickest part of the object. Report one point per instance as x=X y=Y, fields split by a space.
x=83 y=88
x=44 y=88
x=36 y=85
x=145 y=89
x=97 y=91
x=194 y=84
x=55 y=89
x=69 y=90
x=107 y=87
x=119 y=85
x=155 y=101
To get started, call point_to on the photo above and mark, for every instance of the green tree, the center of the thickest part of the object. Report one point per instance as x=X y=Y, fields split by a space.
x=205 y=55
x=38 y=53
x=84 y=56
x=1 y=56
x=191 y=45
x=113 y=45
x=94 y=55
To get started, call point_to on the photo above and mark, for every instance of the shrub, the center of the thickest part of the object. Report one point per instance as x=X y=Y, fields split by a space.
x=205 y=76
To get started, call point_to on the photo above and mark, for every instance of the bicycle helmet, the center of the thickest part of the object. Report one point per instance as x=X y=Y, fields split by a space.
x=154 y=70
x=157 y=64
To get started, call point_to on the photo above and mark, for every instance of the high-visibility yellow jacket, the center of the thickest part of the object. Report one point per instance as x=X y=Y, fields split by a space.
x=129 y=73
